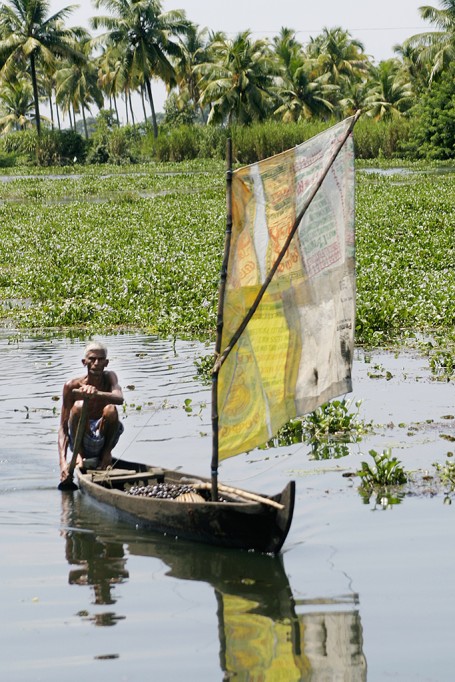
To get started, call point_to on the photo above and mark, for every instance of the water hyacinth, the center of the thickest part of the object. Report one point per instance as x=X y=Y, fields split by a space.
x=141 y=249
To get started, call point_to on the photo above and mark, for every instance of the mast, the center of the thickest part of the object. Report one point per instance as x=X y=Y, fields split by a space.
x=219 y=322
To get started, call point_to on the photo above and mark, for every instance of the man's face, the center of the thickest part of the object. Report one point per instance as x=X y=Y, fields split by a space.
x=95 y=361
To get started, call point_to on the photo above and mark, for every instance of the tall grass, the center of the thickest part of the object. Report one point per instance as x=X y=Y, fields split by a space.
x=383 y=139
x=372 y=139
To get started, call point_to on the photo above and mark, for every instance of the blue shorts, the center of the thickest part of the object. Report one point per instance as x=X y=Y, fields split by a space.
x=93 y=442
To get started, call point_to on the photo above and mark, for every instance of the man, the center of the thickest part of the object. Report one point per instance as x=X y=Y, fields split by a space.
x=103 y=429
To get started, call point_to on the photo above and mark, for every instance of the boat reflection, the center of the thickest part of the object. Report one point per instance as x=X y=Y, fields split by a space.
x=264 y=633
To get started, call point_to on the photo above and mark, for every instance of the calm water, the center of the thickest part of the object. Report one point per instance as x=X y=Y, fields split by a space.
x=359 y=593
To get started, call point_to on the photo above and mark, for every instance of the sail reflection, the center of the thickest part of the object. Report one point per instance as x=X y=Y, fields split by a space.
x=264 y=633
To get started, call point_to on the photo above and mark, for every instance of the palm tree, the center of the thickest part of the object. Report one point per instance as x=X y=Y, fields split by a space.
x=355 y=97
x=238 y=81
x=339 y=55
x=148 y=38
x=112 y=76
x=436 y=47
x=17 y=104
x=303 y=93
x=194 y=52
x=27 y=36
x=418 y=71
x=390 y=95
x=77 y=83
x=286 y=46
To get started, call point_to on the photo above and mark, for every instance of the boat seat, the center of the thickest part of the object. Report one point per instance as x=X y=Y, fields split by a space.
x=125 y=475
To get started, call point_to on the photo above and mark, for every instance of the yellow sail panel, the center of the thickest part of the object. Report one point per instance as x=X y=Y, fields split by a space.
x=259 y=648
x=296 y=351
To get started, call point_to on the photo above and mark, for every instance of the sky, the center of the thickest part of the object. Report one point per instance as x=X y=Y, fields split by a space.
x=378 y=25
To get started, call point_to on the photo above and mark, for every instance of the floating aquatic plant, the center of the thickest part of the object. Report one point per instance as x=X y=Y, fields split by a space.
x=442 y=364
x=386 y=471
x=154 y=263
x=446 y=473
x=327 y=430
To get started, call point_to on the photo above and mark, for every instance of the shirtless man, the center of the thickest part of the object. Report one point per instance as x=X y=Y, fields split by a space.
x=103 y=425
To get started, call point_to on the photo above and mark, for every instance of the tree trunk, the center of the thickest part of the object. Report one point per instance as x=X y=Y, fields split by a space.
x=51 y=109
x=131 y=108
x=143 y=105
x=85 y=123
x=35 y=93
x=126 y=108
x=116 y=111
x=58 y=116
x=152 y=106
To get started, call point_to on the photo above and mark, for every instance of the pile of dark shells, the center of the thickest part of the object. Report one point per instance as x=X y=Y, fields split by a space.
x=168 y=491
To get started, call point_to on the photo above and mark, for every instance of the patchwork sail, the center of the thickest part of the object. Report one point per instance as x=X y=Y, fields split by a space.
x=291 y=249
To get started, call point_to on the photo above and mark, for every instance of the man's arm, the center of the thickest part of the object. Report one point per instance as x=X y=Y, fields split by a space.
x=116 y=390
x=112 y=396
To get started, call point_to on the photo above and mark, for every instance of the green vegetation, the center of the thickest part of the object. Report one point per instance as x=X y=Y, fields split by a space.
x=387 y=471
x=327 y=430
x=405 y=247
x=143 y=250
x=123 y=261
x=446 y=473
x=112 y=145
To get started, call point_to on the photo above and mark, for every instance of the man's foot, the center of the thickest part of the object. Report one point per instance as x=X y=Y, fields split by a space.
x=105 y=461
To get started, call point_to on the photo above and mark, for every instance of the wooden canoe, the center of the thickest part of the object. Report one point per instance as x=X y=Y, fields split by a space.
x=241 y=519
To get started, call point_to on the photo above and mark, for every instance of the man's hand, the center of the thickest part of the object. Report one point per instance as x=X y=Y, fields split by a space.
x=63 y=472
x=87 y=389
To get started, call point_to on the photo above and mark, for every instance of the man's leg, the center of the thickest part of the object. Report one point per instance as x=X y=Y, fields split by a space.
x=108 y=427
x=73 y=423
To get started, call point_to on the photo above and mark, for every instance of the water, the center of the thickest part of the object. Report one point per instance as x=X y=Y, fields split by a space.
x=361 y=592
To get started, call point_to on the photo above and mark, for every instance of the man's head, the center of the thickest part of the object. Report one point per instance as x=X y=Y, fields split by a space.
x=95 y=346
x=95 y=357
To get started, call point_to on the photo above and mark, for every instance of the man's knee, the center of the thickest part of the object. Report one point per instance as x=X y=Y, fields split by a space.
x=76 y=410
x=110 y=414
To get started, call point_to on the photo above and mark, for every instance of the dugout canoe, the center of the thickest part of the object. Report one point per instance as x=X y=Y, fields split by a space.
x=239 y=519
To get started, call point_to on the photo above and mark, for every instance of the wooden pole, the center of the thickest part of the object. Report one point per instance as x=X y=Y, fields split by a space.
x=68 y=484
x=219 y=324
x=252 y=497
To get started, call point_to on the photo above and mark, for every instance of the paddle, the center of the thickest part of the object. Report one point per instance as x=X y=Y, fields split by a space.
x=68 y=483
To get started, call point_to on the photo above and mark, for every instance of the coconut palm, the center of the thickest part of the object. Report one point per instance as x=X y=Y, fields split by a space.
x=390 y=95
x=286 y=46
x=238 y=81
x=148 y=37
x=437 y=47
x=418 y=71
x=339 y=55
x=77 y=84
x=303 y=94
x=355 y=97
x=29 y=36
x=194 y=52
x=111 y=77
x=16 y=99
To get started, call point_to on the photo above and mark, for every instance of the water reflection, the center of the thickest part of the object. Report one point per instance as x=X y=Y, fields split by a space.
x=381 y=498
x=264 y=632
x=99 y=563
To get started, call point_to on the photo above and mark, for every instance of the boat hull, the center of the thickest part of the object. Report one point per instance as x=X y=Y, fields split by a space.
x=237 y=522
